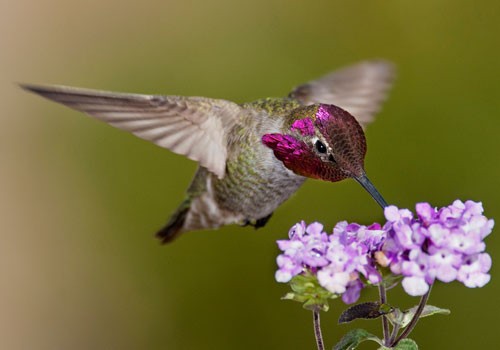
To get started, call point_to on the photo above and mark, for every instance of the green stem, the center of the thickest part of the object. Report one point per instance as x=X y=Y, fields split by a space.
x=385 y=322
x=416 y=317
x=317 y=330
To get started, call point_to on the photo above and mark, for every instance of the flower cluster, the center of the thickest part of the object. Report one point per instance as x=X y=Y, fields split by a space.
x=337 y=260
x=445 y=244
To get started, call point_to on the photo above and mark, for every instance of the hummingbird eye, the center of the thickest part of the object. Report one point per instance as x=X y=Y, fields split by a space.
x=320 y=146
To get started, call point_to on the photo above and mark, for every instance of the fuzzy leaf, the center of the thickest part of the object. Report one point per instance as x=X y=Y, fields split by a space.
x=406 y=344
x=353 y=338
x=372 y=309
x=403 y=318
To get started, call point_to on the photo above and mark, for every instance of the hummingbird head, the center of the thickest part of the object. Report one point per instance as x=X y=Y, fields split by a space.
x=323 y=142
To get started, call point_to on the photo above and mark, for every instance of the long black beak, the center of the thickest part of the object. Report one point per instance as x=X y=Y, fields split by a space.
x=367 y=185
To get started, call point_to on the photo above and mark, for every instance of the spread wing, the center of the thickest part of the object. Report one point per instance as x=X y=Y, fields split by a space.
x=192 y=126
x=360 y=89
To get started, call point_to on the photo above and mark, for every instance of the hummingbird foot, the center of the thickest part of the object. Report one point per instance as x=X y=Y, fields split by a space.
x=257 y=223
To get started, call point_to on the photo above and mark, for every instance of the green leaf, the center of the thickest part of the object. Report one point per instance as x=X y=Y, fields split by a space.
x=369 y=310
x=294 y=296
x=430 y=310
x=302 y=283
x=307 y=290
x=403 y=318
x=355 y=337
x=406 y=344
x=390 y=281
x=396 y=317
x=315 y=304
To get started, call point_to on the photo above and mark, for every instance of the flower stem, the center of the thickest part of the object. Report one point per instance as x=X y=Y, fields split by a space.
x=317 y=330
x=385 y=322
x=394 y=333
x=416 y=317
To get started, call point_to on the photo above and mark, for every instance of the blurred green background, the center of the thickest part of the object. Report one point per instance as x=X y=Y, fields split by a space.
x=80 y=201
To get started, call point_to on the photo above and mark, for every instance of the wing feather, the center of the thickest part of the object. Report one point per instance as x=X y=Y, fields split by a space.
x=360 y=89
x=196 y=127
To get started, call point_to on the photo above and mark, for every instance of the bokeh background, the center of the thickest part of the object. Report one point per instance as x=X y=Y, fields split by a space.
x=80 y=201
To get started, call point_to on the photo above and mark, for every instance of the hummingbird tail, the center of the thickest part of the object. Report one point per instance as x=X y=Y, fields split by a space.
x=175 y=225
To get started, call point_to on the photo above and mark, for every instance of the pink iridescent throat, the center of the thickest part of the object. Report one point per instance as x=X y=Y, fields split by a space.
x=286 y=148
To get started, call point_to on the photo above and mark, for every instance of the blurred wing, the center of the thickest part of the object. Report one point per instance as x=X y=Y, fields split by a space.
x=192 y=126
x=360 y=89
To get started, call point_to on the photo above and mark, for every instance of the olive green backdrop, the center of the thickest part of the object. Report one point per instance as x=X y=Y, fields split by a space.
x=80 y=201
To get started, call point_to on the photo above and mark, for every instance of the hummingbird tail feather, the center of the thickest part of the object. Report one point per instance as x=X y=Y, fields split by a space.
x=175 y=225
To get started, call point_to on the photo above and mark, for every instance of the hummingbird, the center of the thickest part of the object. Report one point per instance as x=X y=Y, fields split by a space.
x=252 y=156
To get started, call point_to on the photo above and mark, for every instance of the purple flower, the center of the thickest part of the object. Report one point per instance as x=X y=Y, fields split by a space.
x=445 y=244
x=337 y=260
x=353 y=291
x=351 y=253
x=444 y=263
x=287 y=269
x=414 y=285
x=473 y=273
x=306 y=248
x=333 y=279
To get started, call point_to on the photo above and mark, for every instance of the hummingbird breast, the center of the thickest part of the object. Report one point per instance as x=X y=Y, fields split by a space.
x=254 y=185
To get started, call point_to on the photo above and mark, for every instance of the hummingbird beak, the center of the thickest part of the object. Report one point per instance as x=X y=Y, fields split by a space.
x=367 y=185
